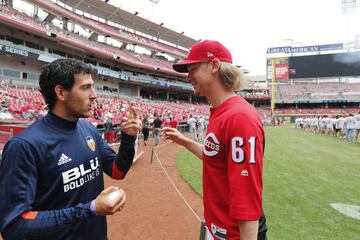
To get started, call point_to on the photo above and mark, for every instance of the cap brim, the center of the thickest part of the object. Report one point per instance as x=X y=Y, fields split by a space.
x=182 y=66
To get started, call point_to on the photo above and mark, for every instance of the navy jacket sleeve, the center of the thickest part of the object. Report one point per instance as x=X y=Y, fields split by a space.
x=117 y=166
x=18 y=181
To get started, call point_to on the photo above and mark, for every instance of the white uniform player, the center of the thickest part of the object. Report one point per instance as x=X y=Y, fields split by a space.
x=192 y=127
x=342 y=127
x=201 y=127
x=350 y=128
x=330 y=126
x=357 y=126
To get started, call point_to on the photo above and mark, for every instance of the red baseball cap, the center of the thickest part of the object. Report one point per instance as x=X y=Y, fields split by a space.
x=206 y=50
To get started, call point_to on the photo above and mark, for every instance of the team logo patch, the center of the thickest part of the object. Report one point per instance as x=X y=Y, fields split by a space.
x=218 y=232
x=91 y=143
x=211 y=145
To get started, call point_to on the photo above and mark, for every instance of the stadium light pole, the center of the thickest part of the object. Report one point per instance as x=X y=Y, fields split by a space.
x=153 y=3
x=273 y=91
x=273 y=80
x=348 y=8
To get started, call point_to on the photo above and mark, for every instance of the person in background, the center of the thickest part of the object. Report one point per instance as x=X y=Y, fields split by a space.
x=233 y=150
x=109 y=130
x=157 y=128
x=145 y=128
x=350 y=128
x=200 y=128
x=357 y=126
x=192 y=127
x=173 y=122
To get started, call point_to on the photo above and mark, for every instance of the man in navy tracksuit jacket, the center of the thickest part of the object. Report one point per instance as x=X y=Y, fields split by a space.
x=51 y=175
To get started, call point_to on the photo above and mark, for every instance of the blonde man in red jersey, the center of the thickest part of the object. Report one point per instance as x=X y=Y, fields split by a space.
x=233 y=149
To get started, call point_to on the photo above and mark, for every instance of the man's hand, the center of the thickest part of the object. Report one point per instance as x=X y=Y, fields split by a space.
x=133 y=113
x=174 y=135
x=108 y=202
x=131 y=126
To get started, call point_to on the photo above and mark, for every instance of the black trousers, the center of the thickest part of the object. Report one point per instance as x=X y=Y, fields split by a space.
x=146 y=133
x=262 y=228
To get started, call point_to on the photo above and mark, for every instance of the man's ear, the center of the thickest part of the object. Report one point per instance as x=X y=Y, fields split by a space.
x=60 y=92
x=215 y=63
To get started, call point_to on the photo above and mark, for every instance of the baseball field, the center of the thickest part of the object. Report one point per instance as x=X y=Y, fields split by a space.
x=304 y=173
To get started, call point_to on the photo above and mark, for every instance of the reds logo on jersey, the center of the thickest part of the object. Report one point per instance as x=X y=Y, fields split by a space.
x=211 y=145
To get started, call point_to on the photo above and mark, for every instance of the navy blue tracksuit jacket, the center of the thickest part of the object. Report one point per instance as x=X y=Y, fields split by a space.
x=49 y=175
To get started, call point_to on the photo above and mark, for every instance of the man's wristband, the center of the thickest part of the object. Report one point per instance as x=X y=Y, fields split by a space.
x=93 y=206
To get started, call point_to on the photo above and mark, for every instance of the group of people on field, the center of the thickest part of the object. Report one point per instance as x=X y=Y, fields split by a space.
x=344 y=127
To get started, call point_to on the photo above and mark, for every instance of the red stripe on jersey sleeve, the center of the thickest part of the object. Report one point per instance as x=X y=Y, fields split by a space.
x=31 y=215
x=116 y=173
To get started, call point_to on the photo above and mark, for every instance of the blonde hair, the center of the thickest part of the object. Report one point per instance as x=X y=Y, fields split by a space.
x=231 y=77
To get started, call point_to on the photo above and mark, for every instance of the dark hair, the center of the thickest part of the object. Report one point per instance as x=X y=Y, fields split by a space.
x=60 y=72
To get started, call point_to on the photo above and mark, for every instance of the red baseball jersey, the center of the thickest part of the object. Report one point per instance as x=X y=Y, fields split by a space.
x=232 y=167
x=174 y=123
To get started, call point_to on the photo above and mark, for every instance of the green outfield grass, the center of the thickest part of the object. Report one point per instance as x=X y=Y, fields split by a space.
x=304 y=173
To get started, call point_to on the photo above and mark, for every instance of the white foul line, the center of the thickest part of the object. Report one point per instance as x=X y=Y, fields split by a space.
x=172 y=182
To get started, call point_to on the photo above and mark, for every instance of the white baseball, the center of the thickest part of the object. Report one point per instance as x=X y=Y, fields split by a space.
x=115 y=196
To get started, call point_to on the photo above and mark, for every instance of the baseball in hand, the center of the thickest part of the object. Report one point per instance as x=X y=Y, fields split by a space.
x=115 y=196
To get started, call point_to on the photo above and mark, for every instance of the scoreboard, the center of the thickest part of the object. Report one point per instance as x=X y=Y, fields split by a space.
x=325 y=65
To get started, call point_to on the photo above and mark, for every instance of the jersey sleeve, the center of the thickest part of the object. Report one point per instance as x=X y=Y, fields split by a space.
x=244 y=146
x=117 y=165
x=18 y=180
